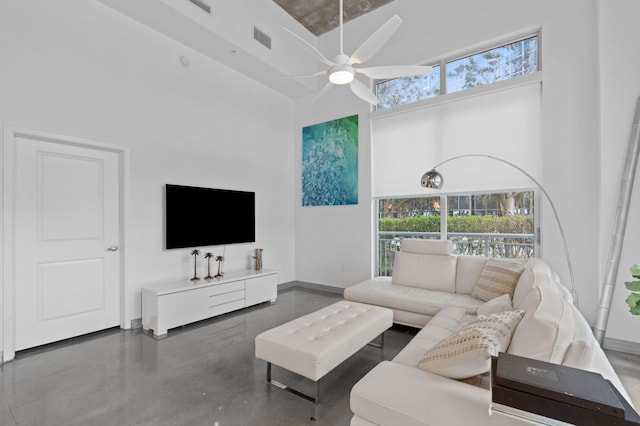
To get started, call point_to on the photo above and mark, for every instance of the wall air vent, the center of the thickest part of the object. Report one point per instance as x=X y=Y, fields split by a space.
x=202 y=5
x=262 y=38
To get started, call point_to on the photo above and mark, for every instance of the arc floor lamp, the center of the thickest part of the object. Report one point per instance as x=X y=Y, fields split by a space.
x=433 y=179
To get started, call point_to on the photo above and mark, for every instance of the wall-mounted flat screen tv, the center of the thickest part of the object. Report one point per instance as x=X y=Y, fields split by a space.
x=196 y=217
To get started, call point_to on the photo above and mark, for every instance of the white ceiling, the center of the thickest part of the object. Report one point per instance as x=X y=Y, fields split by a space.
x=226 y=35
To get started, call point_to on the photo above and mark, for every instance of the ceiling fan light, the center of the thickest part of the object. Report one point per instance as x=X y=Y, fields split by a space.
x=341 y=76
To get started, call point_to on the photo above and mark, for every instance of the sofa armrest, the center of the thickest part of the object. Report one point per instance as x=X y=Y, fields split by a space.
x=394 y=394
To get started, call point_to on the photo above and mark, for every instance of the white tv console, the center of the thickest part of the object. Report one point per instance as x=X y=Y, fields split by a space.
x=171 y=304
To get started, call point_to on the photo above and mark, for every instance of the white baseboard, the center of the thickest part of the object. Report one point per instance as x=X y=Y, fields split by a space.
x=621 y=346
x=311 y=286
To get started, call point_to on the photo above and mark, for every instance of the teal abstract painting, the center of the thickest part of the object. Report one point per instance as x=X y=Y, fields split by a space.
x=330 y=163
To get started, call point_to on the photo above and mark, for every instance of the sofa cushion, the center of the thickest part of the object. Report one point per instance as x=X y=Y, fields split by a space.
x=468 y=351
x=468 y=271
x=525 y=283
x=566 y=292
x=422 y=246
x=580 y=351
x=497 y=278
x=410 y=319
x=495 y=305
x=395 y=394
x=441 y=326
x=429 y=271
x=547 y=329
x=537 y=275
x=380 y=291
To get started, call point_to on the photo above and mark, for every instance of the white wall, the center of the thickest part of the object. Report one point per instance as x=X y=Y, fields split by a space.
x=620 y=89
x=333 y=243
x=79 y=68
x=570 y=136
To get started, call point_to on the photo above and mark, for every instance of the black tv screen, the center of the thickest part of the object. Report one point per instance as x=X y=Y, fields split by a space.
x=208 y=216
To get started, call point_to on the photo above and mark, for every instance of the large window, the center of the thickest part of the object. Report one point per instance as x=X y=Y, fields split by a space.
x=452 y=75
x=483 y=224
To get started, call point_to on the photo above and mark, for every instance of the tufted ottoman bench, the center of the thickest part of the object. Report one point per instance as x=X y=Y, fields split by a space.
x=315 y=344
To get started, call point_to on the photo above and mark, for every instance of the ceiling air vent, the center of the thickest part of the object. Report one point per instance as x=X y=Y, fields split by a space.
x=202 y=5
x=262 y=38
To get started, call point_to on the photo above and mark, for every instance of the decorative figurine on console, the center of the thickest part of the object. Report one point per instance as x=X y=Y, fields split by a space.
x=258 y=259
x=195 y=253
x=219 y=259
x=208 y=256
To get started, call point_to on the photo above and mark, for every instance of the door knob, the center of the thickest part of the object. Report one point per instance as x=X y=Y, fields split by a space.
x=113 y=248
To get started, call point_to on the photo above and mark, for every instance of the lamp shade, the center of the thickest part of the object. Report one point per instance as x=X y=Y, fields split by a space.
x=432 y=179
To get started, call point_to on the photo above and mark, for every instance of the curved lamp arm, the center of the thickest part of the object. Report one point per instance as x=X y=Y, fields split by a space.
x=433 y=179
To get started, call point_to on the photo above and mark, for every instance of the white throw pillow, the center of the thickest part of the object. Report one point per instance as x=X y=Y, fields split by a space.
x=468 y=351
x=495 y=305
x=497 y=278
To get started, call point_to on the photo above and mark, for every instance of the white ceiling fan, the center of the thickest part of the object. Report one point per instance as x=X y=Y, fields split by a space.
x=343 y=68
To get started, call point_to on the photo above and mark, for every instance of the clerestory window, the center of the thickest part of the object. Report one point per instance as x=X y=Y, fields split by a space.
x=452 y=75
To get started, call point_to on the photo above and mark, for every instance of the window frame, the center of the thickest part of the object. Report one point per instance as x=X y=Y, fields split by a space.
x=537 y=217
x=478 y=49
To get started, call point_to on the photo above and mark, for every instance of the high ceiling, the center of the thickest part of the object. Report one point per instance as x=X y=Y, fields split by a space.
x=321 y=16
x=219 y=31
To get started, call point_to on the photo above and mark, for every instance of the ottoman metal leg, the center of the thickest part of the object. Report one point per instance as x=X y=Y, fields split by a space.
x=378 y=345
x=294 y=391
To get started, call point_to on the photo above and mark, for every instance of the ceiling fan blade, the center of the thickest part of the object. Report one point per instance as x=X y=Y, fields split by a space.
x=394 y=71
x=363 y=92
x=321 y=93
x=319 y=56
x=286 y=77
x=375 y=41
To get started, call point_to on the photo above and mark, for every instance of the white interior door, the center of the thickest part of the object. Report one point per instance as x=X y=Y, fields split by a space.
x=67 y=236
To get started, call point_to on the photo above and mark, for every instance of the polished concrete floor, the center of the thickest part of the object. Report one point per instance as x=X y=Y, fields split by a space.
x=201 y=374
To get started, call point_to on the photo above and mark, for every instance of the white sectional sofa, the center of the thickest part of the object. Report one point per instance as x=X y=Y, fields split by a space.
x=467 y=308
